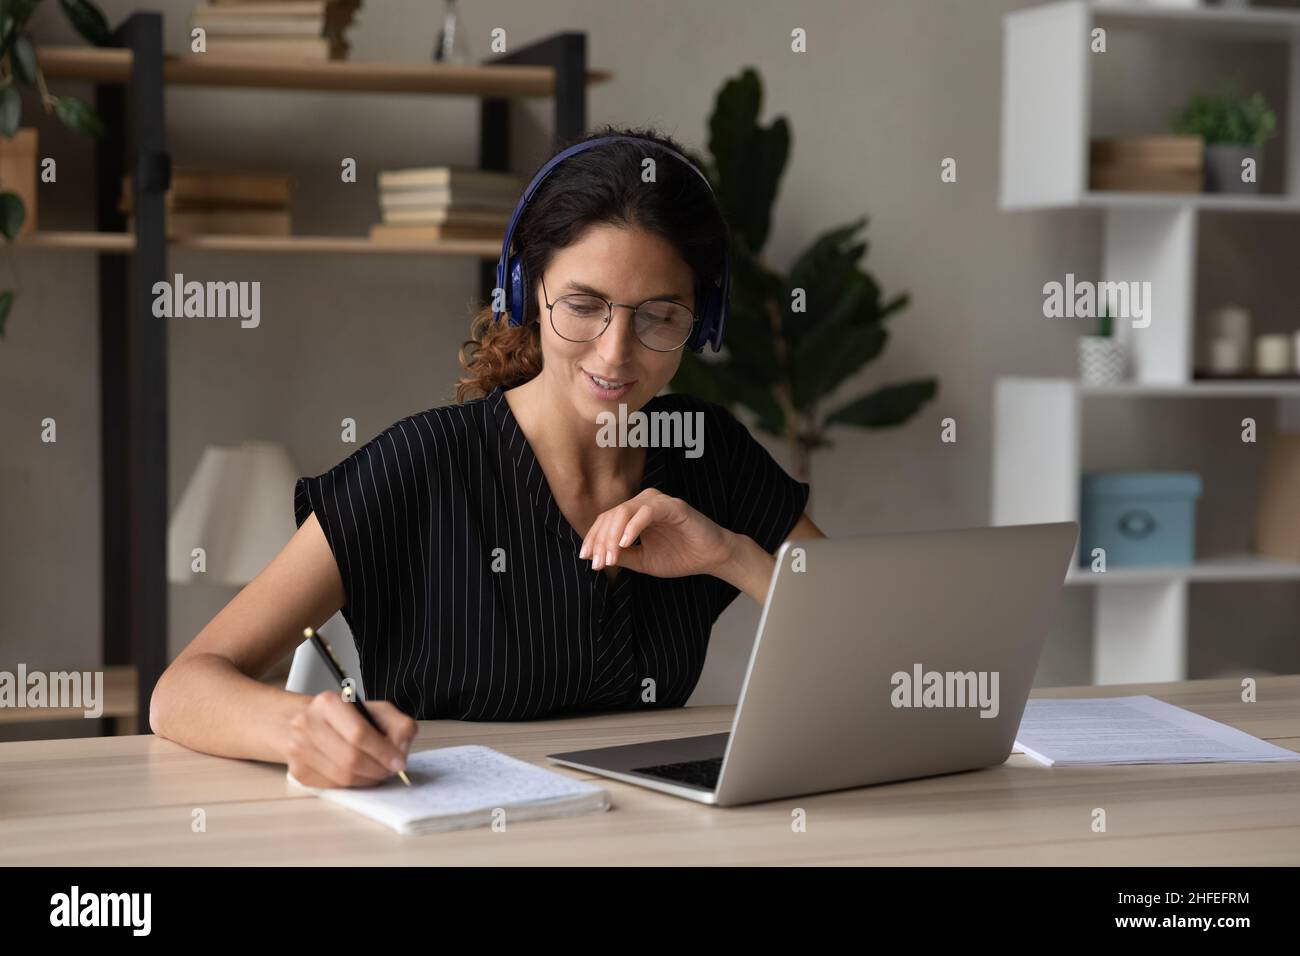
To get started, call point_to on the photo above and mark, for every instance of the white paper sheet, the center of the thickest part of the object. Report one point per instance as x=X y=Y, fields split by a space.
x=457 y=787
x=1141 y=729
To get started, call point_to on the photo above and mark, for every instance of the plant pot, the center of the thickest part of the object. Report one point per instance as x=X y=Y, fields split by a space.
x=1223 y=168
x=18 y=172
x=1102 y=360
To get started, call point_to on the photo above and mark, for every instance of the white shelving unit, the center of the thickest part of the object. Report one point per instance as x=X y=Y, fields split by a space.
x=1139 y=619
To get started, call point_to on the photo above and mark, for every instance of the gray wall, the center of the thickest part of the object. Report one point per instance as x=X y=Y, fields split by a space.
x=887 y=89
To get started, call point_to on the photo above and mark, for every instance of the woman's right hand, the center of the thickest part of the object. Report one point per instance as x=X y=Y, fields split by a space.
x=331 y=745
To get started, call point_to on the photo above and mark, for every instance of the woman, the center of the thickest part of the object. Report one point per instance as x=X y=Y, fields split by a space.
x=485 y=552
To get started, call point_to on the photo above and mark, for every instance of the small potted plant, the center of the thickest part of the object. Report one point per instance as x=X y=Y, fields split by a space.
x=1103 y=359
x=1235 y=127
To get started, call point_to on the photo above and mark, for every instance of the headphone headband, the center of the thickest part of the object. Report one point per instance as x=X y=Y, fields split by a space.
x=711 y=313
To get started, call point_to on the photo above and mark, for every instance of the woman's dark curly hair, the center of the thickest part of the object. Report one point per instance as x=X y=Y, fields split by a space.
x=601 y=185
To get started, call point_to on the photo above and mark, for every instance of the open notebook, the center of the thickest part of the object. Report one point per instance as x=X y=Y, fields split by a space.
x=453 y=788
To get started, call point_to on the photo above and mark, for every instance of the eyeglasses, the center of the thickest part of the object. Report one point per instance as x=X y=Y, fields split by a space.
x=660 y=324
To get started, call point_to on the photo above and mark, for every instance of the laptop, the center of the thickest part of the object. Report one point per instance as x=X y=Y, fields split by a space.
x=877 y=658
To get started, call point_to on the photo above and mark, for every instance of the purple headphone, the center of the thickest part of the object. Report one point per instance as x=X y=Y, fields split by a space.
x=711 y=314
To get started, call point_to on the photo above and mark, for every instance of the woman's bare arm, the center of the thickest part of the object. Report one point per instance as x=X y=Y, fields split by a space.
x=750 y=567
x=211 y=698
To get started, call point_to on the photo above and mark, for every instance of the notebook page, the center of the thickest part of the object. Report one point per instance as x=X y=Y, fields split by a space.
x=455 y=781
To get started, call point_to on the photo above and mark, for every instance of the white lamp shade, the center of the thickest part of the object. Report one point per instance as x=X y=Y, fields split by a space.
x=238 y=508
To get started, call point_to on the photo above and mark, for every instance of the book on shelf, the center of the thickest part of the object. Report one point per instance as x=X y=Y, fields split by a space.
x=441 y=198
x=194 y=187
x=389 y=232
x=1130 y=179
x=289 y=48
x=1162 y=164
x=276 y=30
x=265 y=27
x=1156 y=152
x=224 y=222
x=440 y=215
x=454 y=183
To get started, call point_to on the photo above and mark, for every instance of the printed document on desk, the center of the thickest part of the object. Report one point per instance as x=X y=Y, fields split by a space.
x=1068 y=732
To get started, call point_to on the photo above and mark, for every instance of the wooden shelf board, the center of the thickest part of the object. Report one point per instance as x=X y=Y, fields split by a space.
x=1223 y=569
x=113 y=65
x=125 y=242
x=346 y=244
x=77 y=239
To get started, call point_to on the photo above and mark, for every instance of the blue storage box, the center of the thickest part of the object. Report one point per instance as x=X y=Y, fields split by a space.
x=1140 y=518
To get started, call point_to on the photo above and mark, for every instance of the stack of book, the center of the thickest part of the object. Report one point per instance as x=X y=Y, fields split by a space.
x=276 y=29
x=1153 y=164
x=445 y=202
x=204 y=202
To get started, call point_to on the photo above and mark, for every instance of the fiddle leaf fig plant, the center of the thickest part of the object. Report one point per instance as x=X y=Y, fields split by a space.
x=19 y=68
x=794 y=337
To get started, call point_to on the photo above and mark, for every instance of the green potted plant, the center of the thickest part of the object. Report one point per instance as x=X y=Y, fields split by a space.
x=19 y=68
x=793 y=336
x=1103 y=359
x=1235 y=126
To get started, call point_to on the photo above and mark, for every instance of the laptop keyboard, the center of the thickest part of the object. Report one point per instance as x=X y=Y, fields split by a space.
x=699 y=773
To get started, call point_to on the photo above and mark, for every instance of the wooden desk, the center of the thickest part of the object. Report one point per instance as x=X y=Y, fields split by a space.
x=128 y=800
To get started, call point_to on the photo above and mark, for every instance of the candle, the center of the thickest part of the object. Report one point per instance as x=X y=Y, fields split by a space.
x=1272 y=355
x=1226 y=357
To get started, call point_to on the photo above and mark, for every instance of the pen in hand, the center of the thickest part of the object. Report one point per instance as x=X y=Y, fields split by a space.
x=327 y=654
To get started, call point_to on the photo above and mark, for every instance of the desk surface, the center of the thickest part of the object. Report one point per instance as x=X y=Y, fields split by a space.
x=129 y=800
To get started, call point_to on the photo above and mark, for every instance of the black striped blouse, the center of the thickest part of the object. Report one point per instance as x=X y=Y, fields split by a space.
x=463 y=586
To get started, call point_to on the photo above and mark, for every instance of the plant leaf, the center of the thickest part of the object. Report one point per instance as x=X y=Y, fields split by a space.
x=849 y=352
x=886 y=407
x=721 y=382
x=749 y=159
x=12 y=215
x=6 y=302
x=78 y=116
x=821 y=271
x=11 y=110
x=87 y=20
x=23 y=57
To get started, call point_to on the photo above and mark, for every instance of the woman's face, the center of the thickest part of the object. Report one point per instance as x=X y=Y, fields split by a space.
x=622 y=265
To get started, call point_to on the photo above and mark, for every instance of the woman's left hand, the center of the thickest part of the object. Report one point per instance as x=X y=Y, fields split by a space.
x=676 y=540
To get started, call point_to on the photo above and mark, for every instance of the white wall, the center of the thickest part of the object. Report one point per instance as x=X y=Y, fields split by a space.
x=886 y=90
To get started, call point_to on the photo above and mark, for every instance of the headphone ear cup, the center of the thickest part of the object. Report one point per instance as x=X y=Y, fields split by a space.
x=708 y=297
x=517 y=300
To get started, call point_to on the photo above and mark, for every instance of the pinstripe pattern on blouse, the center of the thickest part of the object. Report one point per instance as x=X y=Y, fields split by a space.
x=464 y=590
